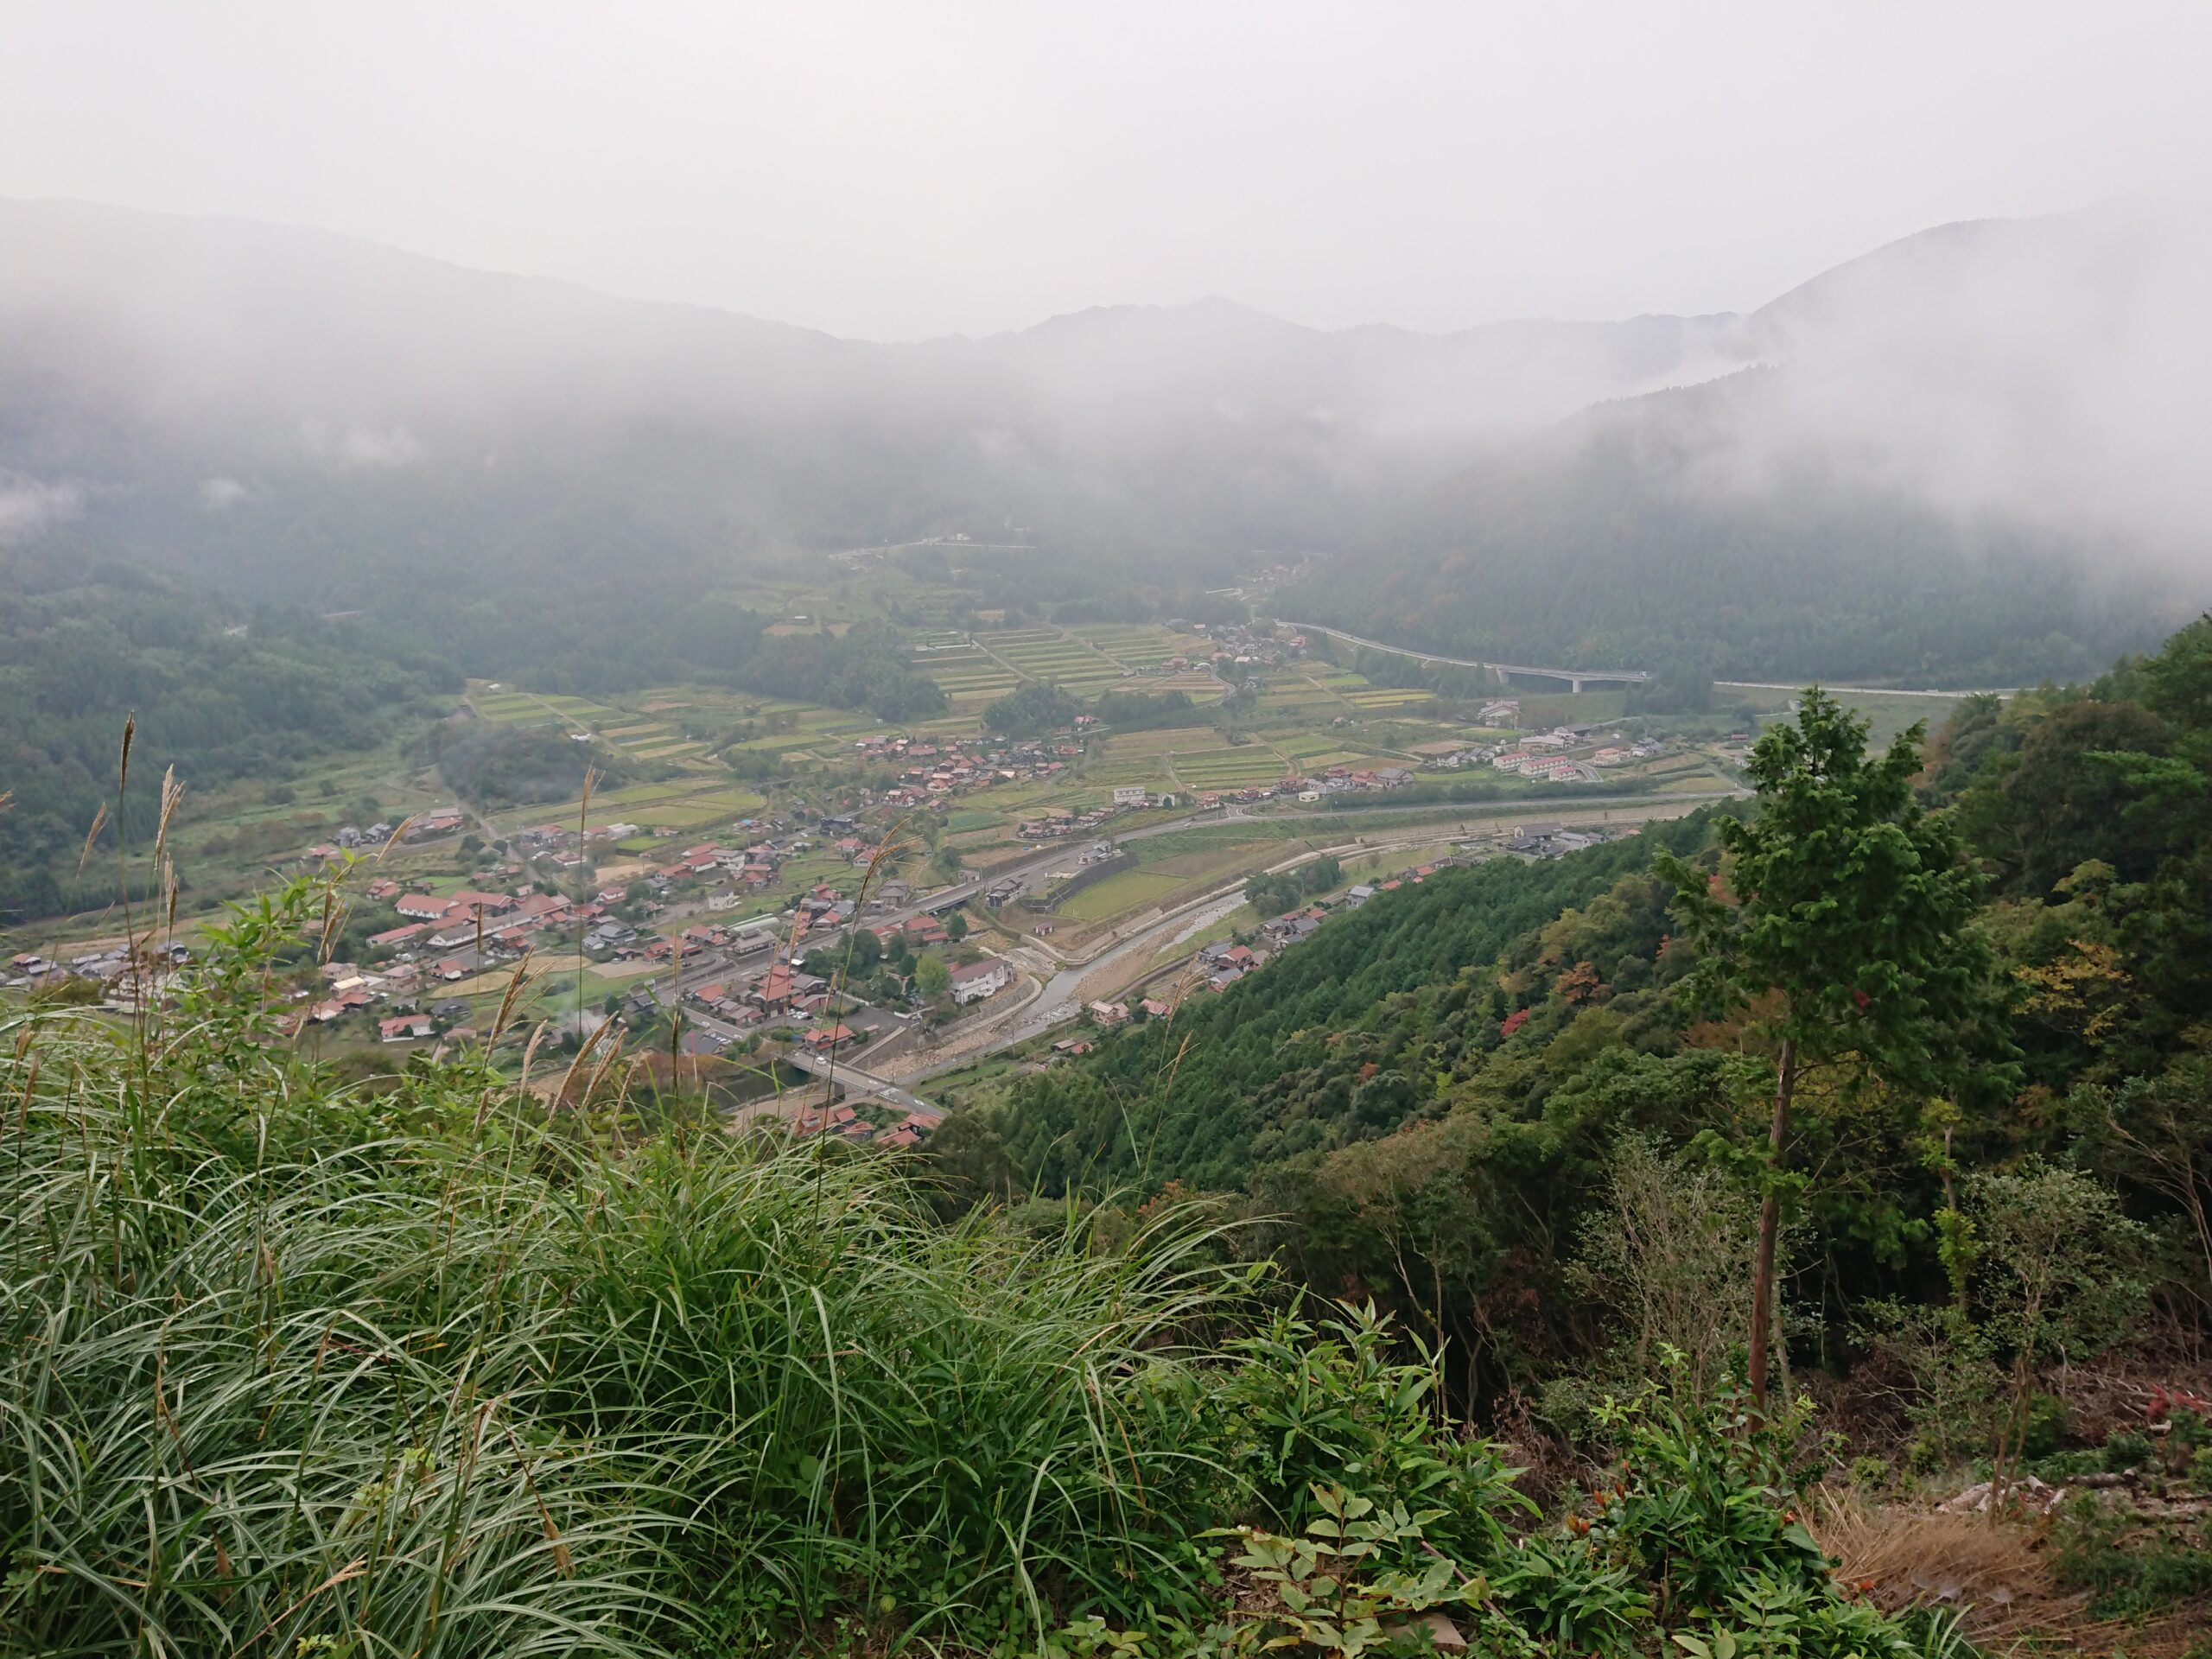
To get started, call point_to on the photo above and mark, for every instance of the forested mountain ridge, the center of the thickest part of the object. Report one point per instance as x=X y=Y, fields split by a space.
x=302 y=416
x=323 y=415
x=1953 y=461
x=1600 y=544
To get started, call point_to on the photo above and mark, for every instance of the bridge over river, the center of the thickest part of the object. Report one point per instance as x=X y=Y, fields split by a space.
x=1576 y=678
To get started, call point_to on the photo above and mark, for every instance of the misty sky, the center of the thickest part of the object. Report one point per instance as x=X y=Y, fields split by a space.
x=898 y=171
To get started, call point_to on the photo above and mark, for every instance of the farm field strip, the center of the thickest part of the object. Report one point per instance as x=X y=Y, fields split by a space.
x=1142 y=645
x=1387 y=698
x=1199 y=686
x=1159 y=742
x=645 y=794
x=1228 y=768
x=1127 y=890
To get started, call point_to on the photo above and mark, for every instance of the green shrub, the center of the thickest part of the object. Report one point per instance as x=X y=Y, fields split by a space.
x=1315 y=1407
x=2045 y=1426
x=2129 y=1568
x=1695 y=1530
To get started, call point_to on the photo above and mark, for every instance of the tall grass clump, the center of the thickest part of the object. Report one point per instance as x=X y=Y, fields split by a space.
x=296 y=1370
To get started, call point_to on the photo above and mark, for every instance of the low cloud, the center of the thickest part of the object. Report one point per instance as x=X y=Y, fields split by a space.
x=30 y=506
x=362 y=448
x=220 y=494
x=2050 y=374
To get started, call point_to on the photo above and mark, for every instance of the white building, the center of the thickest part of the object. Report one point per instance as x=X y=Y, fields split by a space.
x=977 y=980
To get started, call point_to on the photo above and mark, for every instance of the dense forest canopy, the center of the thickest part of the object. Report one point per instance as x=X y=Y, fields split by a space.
x=220 y=693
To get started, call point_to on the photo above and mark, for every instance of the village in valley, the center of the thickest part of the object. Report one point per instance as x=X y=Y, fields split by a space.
x=776 y=893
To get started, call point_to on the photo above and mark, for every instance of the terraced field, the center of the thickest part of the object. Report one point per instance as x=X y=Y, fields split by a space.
x=967 y=675
x=1196 y=683
x=1114 y=770
x=1060 y=659
x=1166 y=738
x=1301 y=698
x=1305 y=747
x=1383 y=696
x=1228 y=768
x=976 y=670
x=1143 y=645
x=509 y=707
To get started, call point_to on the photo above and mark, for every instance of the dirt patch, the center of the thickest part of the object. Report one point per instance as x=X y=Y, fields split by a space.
x=1900 y=1558
x=1994 y=1577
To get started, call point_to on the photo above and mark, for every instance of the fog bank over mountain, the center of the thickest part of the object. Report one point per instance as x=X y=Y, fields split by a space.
x=291 y=409
x=2051 y=370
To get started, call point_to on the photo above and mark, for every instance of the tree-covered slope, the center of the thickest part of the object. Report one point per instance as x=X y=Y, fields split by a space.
x=220 y=692
x=1634 y=537
x=1348 y=1036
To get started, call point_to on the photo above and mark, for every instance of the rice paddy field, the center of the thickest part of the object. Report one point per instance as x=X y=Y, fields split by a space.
x=969 y=678
x=1144 y=645
x=1228 y=768
x=976 y=669
x=1054 y=658
x=661 y=725
x=1378 y=697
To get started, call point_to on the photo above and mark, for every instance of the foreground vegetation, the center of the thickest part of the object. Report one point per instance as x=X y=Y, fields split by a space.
x=294 y=1368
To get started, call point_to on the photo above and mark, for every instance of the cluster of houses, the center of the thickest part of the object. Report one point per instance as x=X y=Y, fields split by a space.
x=933 y=770
x=1565 y=754
x=844 y=1120
x=776 y=992
x=1237 y=649
x=1332 y=779
x=122 y=982
x=1056 y=823
x=349 y=988
x=1552 y=840
x=1568 y=754
x=461 y=933
x=353 y=837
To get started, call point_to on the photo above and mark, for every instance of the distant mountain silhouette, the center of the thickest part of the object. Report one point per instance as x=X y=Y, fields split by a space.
x=306 y=414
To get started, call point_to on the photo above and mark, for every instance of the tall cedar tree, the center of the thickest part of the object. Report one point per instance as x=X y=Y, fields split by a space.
x=1853 y=907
